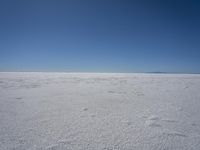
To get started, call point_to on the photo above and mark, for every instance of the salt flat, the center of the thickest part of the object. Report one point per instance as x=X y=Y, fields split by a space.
x=91 y=111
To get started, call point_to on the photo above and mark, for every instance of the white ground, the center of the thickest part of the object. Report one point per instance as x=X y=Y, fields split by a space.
x=58 y=111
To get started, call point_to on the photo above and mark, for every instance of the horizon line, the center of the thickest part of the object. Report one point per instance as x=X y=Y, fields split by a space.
x=85 y=72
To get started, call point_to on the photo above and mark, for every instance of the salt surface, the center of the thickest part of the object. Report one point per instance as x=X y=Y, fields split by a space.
x=74 y=111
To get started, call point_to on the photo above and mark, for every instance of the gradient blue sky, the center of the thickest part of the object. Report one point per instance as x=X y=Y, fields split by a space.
x=100 y=35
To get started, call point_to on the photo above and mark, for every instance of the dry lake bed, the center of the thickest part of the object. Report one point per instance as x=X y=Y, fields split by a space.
x=96 y=111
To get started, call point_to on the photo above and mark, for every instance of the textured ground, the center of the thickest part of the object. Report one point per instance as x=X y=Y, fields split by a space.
x=58 y=111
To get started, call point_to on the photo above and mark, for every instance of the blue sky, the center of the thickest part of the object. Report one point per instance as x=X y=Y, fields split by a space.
x=100 y=35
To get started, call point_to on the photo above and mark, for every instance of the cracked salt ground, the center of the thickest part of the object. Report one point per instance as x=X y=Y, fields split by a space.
x=61 y=111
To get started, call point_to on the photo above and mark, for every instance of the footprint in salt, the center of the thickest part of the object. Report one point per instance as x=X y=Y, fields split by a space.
x=93 y=116
x=153 y=121
x=52 y=147
x=127 y=122
x=193 y=124
x=111 y=91
x=174 y=134
x=169 y=120
x=153 y=118
x=85 y=109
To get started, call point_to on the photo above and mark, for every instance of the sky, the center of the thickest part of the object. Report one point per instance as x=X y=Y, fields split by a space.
x=100 y=35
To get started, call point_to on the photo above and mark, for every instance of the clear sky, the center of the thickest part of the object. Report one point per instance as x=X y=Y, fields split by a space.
x=100 y=35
